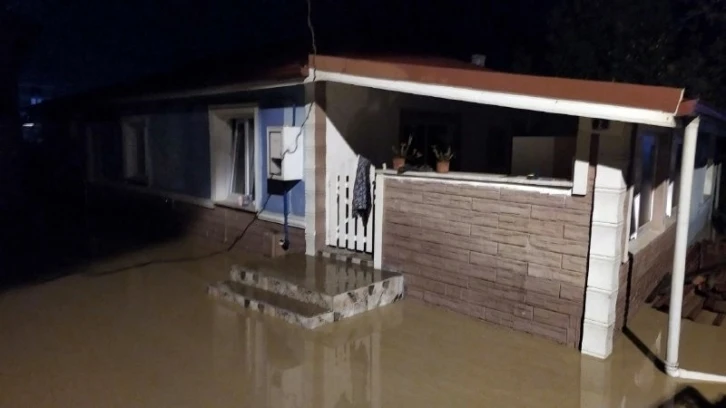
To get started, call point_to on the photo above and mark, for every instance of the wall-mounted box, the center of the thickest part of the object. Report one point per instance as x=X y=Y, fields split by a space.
x=285 y=153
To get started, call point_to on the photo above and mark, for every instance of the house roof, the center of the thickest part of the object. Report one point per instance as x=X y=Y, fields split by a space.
x=453 y=79
x=659 y=98
x=695 y=107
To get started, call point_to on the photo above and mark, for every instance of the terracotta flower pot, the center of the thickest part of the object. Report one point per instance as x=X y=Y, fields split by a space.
x=398 y=162
x=442 y=167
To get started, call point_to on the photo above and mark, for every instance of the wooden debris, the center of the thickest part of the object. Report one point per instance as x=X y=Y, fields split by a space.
x=705 y=283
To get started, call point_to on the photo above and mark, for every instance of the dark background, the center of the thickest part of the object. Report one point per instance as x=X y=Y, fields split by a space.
x=51 y=48
x=85 y=44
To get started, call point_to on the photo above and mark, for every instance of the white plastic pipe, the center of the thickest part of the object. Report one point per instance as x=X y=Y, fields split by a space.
x=688 y=160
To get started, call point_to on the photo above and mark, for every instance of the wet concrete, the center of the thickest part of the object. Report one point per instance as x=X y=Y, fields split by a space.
x=151 y=337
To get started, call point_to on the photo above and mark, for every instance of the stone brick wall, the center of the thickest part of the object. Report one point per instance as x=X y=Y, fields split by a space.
x=646 y=269
x=216 y=227
x=510 y=256
x=622 y=301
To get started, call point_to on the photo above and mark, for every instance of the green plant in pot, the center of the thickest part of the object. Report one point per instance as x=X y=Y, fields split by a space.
x=443 y=159
x=403 y=152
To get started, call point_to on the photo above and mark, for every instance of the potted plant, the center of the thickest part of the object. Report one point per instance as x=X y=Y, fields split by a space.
x=443 y=159
x=403 y=152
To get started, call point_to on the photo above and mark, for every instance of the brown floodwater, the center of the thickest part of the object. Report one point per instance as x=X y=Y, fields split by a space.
x=151 y=337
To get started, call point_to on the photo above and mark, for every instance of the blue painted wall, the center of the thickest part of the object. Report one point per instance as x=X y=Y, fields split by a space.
x=179 y=143
x=179 y=148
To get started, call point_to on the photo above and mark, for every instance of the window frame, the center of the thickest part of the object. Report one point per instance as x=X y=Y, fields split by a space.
x=223 y=155
x=129 y=124
x=637 y=181
x=250 y=168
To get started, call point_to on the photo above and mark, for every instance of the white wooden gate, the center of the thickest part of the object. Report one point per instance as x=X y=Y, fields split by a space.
x=344 y=230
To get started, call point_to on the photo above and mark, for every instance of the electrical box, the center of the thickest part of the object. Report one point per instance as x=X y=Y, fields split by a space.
x=285 y=153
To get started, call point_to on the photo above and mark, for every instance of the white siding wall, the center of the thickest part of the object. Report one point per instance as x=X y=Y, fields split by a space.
x=366 y=120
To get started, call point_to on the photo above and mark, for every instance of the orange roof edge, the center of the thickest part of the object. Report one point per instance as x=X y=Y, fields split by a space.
x=648 y=97
x=696 y=107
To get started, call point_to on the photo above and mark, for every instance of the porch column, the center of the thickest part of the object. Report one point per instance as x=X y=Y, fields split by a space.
x=607 y=237
x=315 y=148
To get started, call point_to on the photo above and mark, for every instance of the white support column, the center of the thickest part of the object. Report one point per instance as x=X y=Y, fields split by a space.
x=679 y=262
x=606 y=237
x=314 y=170
x=688 y=160
x=378 y=222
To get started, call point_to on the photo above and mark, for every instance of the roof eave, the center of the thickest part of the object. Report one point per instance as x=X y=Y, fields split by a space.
x=507 y=100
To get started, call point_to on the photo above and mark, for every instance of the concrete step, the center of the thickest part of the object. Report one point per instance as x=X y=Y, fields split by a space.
x=345 y=289
x=292 y=311
x=347 y=256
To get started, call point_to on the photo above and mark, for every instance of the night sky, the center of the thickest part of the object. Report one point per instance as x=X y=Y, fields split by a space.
x=93 y=43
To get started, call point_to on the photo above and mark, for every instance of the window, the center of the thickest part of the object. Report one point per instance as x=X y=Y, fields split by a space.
x=136 y=151
x=705 y=164
x=675 y=176
x=234 y=148
x=643 y=182
x=242 y=181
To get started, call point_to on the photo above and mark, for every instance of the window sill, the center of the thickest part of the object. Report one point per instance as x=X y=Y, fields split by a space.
x=647 y=234
x=482 y=178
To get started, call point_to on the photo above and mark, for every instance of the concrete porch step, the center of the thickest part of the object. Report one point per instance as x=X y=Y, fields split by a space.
x=292 y=311
x=342 y=289
x=346 y=289
x=347 y=256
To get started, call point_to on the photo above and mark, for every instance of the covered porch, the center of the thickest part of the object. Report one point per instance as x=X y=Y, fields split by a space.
x=532 y=228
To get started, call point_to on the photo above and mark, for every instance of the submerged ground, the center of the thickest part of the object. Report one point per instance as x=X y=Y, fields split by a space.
x=111 y=336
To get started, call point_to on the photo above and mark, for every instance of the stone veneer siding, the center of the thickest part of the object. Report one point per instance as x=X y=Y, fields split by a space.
x=511 y=256
x=646 y=269
x=215 y=227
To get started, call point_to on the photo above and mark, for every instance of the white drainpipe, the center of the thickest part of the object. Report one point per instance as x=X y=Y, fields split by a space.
x=679 y=261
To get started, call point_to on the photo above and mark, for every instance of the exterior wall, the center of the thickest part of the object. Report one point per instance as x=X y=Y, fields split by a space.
x=179 y=149
x=548 y=156
x=216 y=227
x=315 y=169
x=179 y=143
x=366 y=121
x=650 y=255
x=513 y=256
x=609 y=149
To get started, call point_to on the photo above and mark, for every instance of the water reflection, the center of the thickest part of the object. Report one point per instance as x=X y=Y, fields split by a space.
x=287 y=367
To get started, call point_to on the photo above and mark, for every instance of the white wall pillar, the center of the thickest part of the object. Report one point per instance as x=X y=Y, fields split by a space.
x=606 y=238
x=314 y=170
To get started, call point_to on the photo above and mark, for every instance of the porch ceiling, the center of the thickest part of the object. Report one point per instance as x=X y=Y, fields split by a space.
x=632 y=103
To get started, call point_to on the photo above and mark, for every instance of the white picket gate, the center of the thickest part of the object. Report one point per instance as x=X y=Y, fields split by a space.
x=344 y=230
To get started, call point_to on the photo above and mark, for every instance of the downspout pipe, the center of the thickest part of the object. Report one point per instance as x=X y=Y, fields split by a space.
x=678 y=276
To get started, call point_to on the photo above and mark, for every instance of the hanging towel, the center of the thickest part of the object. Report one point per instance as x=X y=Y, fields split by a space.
x=362 y=190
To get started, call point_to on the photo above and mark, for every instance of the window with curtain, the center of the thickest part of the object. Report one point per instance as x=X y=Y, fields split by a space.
x=242 y=177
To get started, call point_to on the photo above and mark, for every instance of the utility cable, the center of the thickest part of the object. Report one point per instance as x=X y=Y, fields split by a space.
x=267 y=200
